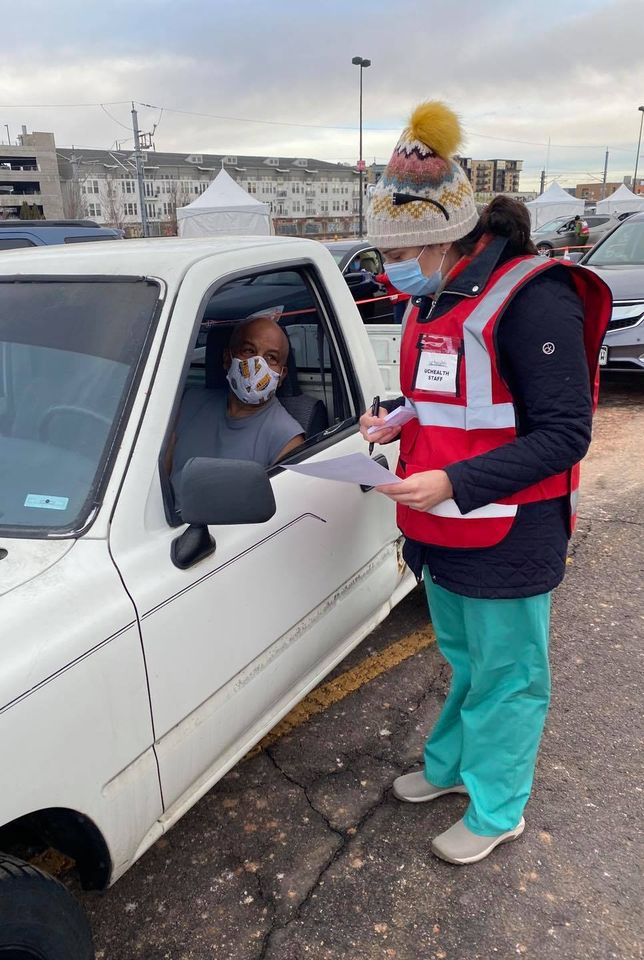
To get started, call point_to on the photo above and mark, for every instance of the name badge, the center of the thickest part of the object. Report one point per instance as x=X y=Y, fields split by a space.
x=437 y=372
x=437 y=365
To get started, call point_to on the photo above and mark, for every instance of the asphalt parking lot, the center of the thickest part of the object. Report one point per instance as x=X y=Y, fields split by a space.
x=302 y=851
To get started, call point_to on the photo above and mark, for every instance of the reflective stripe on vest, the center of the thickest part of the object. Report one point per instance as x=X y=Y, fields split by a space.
x=448 y=508
x=478 y=365
x=497 y=416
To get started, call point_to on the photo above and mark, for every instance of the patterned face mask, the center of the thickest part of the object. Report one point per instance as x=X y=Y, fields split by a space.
x=252 y=380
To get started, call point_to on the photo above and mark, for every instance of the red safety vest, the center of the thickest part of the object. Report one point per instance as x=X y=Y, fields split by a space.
x=450 y=375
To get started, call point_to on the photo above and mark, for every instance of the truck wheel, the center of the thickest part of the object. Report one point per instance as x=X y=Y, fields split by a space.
x=39 y=918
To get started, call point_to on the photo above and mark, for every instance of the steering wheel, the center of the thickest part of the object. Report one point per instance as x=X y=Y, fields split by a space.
x=67 y=410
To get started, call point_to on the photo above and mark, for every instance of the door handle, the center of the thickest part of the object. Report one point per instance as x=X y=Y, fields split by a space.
x=382 y=460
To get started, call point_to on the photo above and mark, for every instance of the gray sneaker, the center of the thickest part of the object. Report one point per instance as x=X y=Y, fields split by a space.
x=415 y=788
x=460 y=845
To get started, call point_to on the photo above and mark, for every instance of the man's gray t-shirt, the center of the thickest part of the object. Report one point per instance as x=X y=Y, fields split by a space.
x=204 y=429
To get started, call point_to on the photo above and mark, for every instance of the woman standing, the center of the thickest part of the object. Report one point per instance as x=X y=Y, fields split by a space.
x=499 y=363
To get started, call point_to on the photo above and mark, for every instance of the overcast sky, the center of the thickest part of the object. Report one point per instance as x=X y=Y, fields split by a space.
x=515 y=70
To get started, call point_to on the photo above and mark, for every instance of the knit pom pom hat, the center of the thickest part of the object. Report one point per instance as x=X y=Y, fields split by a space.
x=424 y=196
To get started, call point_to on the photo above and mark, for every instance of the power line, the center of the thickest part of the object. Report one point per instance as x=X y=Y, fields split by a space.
x=306 y=126
x=42 y=106
x=107 y=112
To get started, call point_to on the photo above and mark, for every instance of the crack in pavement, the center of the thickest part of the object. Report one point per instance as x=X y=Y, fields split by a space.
x=595 y=519
x=345 y=837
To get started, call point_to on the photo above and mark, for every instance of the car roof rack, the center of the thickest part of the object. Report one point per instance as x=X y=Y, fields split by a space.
x=12 y=224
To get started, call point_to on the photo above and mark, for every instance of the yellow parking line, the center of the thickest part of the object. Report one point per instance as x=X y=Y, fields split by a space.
x=340 y=687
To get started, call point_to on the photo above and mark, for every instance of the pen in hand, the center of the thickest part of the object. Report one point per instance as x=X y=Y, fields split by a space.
x=375 y=408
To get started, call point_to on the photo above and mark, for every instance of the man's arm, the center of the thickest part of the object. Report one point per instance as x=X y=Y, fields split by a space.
x=290 y=446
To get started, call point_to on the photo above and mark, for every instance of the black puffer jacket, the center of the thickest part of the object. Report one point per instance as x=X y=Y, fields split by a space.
x=552 y=397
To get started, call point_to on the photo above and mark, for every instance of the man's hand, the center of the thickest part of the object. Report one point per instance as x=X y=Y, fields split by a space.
x=421 y=491
x=384 y=435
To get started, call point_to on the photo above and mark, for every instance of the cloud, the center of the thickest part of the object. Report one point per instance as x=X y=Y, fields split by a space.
x=513 y=70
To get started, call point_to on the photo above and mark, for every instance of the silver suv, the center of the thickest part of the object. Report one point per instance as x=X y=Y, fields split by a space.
x=559 y=234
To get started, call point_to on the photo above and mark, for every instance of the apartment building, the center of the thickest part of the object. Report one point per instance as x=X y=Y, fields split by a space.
x=492 y=176
x=29 y=177
x=307 y=197
x=599 y=191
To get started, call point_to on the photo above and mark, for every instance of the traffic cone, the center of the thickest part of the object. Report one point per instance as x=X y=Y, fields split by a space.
x=566 y=255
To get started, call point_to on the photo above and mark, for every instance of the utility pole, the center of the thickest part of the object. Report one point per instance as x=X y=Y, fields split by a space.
x=362 y=63
x=138 y=160
x=605 y=176
x=543 y=182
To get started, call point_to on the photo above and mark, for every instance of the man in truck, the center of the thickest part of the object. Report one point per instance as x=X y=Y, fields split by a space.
x=246 y=421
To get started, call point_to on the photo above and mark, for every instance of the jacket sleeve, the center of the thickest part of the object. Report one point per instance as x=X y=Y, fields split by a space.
x=542 y=359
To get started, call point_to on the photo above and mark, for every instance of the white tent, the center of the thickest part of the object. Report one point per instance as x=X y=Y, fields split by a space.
x=553 y=202
x=622 y=201
x=224 y=209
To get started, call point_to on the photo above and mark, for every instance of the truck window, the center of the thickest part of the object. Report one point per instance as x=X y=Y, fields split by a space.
x=12 y=243
x=69 y=352
x=316 y=390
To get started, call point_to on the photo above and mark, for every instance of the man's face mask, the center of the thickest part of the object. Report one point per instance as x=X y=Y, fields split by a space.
x=252 y=380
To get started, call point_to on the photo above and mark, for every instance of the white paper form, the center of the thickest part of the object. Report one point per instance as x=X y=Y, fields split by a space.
x=354 y=468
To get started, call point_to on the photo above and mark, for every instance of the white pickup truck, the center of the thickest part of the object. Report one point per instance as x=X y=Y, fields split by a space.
x=145 y=650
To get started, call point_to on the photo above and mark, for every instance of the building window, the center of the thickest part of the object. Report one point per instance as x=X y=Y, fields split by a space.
x=151 y=211
x=324 y=206
x=131 y=210
x=149 y=188
x=93 y=209
x=90 y=186
x=127 y=186
x=167 y=209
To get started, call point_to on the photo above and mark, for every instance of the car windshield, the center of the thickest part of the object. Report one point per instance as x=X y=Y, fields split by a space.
x=552 y=225
x=69 y=351
x=623 y=247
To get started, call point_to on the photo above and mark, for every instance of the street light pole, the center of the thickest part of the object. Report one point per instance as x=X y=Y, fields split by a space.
x=637 y=155
x=362 y=63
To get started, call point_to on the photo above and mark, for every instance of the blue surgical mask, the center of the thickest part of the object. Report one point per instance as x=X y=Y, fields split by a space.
x=407 y=276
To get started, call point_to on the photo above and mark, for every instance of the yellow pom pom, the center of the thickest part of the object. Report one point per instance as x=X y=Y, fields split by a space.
x=434 y=124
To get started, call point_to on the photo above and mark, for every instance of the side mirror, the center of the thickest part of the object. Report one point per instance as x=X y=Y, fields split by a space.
x=219 y=492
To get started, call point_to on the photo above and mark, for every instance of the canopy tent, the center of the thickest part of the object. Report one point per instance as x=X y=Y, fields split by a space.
x=553 y=202
x=622 y=201
x=224 y=209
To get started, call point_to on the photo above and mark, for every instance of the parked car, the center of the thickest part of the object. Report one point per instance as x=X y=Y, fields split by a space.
x=559 y=234
x=38 y=233
x=619 y=260
x=360 y=263
x=146 y=649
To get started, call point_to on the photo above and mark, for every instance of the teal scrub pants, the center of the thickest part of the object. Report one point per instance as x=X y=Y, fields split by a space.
x=488 y=732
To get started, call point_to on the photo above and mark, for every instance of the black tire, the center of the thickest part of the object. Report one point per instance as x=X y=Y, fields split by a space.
x=39 y=918
x=544 y=249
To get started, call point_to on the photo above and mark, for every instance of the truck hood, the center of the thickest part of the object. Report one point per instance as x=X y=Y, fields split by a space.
x=22 y=560
x=626 y=283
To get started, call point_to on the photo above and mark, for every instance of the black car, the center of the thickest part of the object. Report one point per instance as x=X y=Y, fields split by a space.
x=360 y=263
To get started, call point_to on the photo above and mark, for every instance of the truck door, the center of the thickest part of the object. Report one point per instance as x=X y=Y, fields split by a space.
x=232 y=640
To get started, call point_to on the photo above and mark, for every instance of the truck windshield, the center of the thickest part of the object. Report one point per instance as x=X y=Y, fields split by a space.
x=69 y=352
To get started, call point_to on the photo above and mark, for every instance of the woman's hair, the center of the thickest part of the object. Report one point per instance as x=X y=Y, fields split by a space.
x=502 y=217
